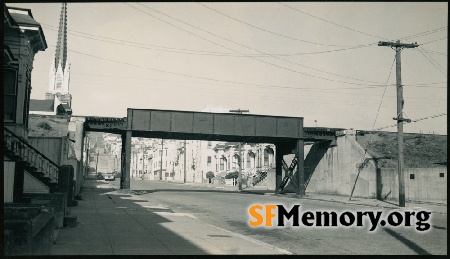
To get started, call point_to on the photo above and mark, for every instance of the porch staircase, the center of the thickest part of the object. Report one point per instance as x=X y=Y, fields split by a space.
x=18 y=150
x=260 y=179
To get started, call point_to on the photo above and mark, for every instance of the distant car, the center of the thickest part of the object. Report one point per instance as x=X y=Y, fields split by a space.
x=109 y=177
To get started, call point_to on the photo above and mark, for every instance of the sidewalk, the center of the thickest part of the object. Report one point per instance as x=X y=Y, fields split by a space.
x=432 y=207
x=114 y=223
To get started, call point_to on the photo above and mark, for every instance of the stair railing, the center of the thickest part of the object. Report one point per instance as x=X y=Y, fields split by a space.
x=27 y=153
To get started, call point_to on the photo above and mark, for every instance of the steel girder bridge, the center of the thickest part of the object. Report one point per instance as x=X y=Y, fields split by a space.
x=286 y=133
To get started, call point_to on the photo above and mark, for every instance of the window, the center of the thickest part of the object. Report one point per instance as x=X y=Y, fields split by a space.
x=58 y=82
x=160 y=153
x=26 y=101
x=249 y=163
x=221 y=164
x=441 y=174
x=209 y=161
x=266 y=157
x=209 y=144
x=412 y=176
x=10 y=92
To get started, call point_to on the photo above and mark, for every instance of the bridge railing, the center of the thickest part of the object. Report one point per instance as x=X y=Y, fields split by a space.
x=21 y=150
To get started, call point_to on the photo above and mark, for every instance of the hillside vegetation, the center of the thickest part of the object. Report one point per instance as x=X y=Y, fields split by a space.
x=420 y=150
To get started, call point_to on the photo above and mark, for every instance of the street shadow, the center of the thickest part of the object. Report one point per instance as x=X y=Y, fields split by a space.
x=419 y=250
x=134 y=227
x=443 y=228
x=146 y=191
x=389 y=202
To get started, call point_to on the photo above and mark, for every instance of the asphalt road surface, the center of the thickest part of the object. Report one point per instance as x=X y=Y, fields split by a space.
x=229 y=210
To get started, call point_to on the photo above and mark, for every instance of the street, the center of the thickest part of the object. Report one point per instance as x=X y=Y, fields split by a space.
x=229 y=210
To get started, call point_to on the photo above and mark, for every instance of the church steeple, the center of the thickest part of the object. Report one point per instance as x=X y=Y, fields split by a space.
x=61 y=45
x=58 y=85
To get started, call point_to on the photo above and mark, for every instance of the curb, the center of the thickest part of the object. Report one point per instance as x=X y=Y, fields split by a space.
x=351 y=203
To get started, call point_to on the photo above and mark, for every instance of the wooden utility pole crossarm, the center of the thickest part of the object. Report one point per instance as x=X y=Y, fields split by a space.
x=397 y=46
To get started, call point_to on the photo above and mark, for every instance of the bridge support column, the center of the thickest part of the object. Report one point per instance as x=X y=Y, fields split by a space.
x=126 y=159
x=278 y=167
x=300 y=154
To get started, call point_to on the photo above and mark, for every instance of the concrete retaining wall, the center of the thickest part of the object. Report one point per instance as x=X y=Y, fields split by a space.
x=428 y=185
x=338 y=169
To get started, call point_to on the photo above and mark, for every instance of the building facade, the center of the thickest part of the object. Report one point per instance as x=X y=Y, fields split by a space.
x=24 y=166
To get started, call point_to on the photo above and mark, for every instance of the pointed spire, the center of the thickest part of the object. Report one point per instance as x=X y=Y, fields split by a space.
x=61 y=46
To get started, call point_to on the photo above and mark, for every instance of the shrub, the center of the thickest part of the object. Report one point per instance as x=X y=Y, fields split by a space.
x=209 y=175
x=232 y=175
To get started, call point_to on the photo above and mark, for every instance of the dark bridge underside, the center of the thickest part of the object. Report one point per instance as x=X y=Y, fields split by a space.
x=210 y=137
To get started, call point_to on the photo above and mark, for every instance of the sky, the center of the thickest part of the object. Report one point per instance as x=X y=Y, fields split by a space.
x=316 y=60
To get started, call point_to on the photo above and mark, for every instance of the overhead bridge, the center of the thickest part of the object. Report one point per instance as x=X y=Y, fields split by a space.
x=286 y=133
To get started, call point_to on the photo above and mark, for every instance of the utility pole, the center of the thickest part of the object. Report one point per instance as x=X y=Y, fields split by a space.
x=184 y=161
x=96 y=164
x=162 y=154
x=143 y=156
x=397 y=46
x=136 y=170
x=240 y=168
x=239 y=111
x=115 y=157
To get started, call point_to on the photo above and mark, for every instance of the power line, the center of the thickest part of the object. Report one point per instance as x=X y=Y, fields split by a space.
x=320 y=90
x=433 y=52
x=214 y=53
x=425 y=33
x=371 y=35
x=241 y=83
x=381 y=102
x=294 y=39
x=440 y=70
x=275 y=33
x=421 y=119
x=218 y=80
x=282 y=59
x=272 y=64
x=404 y=38
x=427 y=85
x=198 y=52
x=445 y=38
x=224 y=93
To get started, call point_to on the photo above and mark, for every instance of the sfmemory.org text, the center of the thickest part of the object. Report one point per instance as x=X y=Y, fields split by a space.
x=265 y=216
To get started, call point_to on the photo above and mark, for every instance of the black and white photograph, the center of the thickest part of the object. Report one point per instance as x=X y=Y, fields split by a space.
x=224 y=128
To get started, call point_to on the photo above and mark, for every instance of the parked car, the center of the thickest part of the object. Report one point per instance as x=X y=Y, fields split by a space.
x=109 y=177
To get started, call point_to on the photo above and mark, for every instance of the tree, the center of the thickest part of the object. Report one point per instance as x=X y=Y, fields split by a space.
x=231 y=175
x=210 y=175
